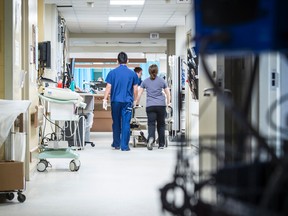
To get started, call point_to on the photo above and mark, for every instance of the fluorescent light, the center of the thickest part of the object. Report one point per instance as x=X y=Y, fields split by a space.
x=127 y=2
x=123 y=19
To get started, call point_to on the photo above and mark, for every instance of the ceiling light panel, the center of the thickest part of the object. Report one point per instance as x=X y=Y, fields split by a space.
x=127 y=2
x=129 y=19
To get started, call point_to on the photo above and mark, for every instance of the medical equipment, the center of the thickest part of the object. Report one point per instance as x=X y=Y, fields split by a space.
x=61 y=94
x=139 y=124
x=15 y=149
x=60 y=110
x=75 y=132
x=87 y=112
x=241 y=26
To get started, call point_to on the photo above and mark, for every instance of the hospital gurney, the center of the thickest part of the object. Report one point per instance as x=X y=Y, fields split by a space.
x=139 y=123
x=60 y=110
x=15 y=150
x=139 y=126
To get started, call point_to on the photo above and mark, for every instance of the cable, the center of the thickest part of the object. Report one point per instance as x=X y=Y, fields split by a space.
x=277 y=180
x=228 y=102
x=269 y=115
x=52 y=122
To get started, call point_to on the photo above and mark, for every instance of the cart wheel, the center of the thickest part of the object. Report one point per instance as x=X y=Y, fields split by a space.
x=10 y=196
x=77 y=168
x=92 y=144
x=72 y=166
x=41 y=166
x=21 y=197
x=78 y=164
x=45 y=162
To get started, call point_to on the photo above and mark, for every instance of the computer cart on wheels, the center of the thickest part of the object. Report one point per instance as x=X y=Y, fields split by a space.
x=61 y=111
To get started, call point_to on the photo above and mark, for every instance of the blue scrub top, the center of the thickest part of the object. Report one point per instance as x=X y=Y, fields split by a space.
x=139 y=81
x=122 y=80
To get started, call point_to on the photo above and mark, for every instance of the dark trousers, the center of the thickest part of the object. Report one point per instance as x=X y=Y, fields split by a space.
x=121 y=116
x=156 y=114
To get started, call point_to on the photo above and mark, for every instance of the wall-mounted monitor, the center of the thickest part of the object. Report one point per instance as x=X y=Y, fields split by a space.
x=44 y=54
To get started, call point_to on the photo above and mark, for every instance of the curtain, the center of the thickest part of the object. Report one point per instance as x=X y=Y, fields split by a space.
x=105 y=72
x=83 y=75
x=145 y=68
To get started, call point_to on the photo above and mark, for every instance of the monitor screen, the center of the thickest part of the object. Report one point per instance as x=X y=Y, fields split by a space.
x=44 y=53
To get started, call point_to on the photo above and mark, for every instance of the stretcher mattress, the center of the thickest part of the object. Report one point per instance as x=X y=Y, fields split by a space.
x=9 y=110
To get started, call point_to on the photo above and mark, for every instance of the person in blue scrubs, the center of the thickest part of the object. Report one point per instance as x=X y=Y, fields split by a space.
x=138 y=71
x=122 y=87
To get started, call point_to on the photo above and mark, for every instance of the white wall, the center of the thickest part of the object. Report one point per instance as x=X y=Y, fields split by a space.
x=13 y=61
x=268 y=94
x=180 y=41
x=207 y=123
x=51 y=34
x=30 y=66
x=283 y=77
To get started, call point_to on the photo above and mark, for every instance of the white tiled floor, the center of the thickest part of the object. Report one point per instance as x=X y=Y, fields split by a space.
x=109 y=183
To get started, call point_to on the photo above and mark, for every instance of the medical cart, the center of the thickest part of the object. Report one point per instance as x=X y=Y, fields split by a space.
x=59 y=110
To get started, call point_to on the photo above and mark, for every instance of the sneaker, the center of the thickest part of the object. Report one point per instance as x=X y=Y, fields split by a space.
x=161 y=147
x=115 y=148
x=125 y=149
x=150 y=144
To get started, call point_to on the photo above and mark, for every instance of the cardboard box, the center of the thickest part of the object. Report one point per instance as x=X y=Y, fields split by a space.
x=102 y=125
x=11 y=175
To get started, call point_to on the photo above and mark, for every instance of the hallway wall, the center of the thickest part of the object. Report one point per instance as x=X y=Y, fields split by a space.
x=10 y=52
x=13 y=45
x=29 y=64
x=2 y=74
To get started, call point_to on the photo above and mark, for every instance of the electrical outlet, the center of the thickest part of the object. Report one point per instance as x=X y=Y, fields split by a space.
x=274 y=79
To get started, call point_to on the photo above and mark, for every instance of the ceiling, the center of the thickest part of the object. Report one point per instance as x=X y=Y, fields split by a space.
x=91 y=33
x=160 y=16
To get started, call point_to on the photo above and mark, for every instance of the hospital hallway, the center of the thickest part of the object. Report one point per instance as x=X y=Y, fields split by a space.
x=109 y=182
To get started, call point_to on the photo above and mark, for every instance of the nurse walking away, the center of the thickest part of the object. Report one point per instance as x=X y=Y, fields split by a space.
x=155 y=105
x=122 y=86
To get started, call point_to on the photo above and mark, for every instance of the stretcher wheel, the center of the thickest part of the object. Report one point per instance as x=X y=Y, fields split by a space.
x=10 y=196
x=41 y=166
x=166 y=141
x=21 y=197
x=134 y=142
x=74 y=165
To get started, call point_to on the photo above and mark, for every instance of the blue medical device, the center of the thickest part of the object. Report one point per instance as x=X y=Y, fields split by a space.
x=234 y=26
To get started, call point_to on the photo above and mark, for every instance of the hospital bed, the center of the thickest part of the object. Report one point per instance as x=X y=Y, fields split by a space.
x=15 y=145
x=139 y=124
